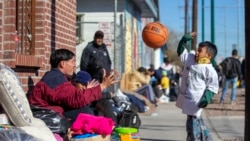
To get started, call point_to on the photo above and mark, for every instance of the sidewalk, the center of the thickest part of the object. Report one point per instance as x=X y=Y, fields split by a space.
x=168 y=124
x=227 y=128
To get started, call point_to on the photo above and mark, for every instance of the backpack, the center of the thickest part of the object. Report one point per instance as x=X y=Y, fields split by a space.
x=227 y=67
x=129 y=118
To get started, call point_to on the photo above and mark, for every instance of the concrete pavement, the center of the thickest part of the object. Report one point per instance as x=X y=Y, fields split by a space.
x=228 y=128
x=168 y=124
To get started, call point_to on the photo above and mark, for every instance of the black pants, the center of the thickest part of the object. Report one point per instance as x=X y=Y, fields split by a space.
x=105 y=107
x=72 y=114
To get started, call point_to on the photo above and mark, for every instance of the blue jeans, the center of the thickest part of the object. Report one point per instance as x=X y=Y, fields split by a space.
x=233 y=82
x=147 y=91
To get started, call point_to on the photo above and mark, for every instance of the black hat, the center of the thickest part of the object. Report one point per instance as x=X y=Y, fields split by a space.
x=99 y=33
x=83 y=77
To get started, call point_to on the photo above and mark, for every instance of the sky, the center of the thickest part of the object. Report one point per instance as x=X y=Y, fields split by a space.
x=229 y=22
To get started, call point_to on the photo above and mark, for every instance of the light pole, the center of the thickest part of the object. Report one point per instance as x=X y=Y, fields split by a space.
x=194 y=23
x=186 y=16
x=202 y=21
x=238 y=26
x=212 y=21
x=225 y=30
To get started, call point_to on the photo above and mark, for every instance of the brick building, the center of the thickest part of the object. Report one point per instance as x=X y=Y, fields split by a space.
x=30 y=30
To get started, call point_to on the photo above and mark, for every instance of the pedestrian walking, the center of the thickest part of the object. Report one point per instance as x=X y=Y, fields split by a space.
x=231 y=68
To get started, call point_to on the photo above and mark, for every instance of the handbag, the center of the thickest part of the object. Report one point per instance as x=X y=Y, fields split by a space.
x=129 y=118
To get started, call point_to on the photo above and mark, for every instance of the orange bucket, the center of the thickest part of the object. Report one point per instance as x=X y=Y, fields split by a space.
x=129 y=137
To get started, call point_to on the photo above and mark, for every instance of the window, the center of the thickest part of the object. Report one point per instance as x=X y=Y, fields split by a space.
x=79 y=29
x=25 y=27
x=25 y=35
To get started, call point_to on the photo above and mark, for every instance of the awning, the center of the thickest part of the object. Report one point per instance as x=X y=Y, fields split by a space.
x=148 y=8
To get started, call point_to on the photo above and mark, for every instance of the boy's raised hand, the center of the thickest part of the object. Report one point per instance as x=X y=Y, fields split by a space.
x=193 y=34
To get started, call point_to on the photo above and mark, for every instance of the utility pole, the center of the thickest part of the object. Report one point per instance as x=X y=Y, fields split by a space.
x=194 y=23
x=202 y=20
x=186 y=17
x=238 y=27
x=247 y=57
x=212 y=21
x=225 y=30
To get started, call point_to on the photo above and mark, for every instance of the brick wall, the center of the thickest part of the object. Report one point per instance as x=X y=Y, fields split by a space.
x=8 y=24
x=59 y=32
x=55 y=28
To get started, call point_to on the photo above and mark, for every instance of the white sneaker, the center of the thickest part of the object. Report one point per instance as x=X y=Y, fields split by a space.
x=146 y=108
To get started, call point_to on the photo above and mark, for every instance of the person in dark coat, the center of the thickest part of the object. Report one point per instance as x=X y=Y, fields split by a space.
x=95 y=56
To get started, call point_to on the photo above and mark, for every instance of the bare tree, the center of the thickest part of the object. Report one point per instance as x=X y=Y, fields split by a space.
x=173 y=40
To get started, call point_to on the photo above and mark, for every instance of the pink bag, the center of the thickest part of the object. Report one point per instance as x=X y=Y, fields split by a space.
x=93 y=124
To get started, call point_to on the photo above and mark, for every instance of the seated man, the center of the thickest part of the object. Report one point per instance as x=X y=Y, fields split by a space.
x=54 y=91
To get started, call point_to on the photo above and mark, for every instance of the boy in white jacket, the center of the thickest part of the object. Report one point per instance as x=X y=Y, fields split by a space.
x=199 y=84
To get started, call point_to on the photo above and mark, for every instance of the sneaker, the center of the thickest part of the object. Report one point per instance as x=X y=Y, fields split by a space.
x=164 y=99
x=146 y=108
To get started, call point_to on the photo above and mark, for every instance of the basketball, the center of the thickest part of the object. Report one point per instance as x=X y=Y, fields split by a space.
x=155 y=35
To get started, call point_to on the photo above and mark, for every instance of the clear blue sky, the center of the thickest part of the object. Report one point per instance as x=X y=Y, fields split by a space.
x=229 y=19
